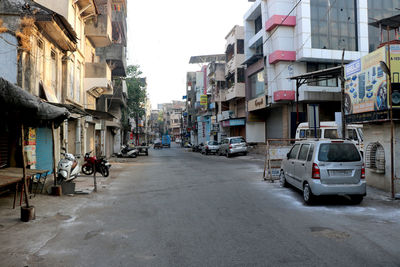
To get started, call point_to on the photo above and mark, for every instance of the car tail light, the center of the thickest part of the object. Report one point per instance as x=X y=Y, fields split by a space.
x=230 y=146
x=316 y=174
x=363 y=172
x=206 y=147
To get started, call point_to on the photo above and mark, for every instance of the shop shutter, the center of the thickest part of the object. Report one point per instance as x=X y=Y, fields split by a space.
x=44 y=149
x=3 y=148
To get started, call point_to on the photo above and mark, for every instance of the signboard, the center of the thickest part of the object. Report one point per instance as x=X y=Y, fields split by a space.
x=365 y=85
x=395 y=74
x=257 y=103
x=203 y=100
x=233 y=122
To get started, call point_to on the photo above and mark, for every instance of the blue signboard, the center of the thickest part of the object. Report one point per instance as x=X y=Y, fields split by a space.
x=237 y=122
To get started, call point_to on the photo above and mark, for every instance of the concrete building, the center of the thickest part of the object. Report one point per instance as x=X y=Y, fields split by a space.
x=233 y=104
x=280 y=44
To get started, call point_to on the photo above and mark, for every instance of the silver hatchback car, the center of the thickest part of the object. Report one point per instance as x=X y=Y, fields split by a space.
x=325 y=167
x=233 y=145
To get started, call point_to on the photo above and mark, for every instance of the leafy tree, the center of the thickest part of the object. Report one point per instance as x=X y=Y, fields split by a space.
x=137 y=93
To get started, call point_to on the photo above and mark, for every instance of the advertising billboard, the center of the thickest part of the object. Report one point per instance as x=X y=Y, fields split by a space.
x=366 y=93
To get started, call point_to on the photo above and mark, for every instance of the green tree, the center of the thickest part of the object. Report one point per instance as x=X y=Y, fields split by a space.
x=136 y=86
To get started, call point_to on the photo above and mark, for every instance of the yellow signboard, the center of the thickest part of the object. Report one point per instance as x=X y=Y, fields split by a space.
x=203 y=100
x=366 y=86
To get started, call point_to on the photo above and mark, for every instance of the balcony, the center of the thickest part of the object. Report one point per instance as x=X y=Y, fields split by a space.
x=99 y=30
x=119 y=94
x=237 y=91
x=115 y=54
x=98 y=76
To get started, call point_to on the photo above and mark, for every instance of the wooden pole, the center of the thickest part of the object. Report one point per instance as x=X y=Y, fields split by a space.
x=24 y=165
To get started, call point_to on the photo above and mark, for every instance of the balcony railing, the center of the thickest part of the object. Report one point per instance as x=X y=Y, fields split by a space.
x=116 y=55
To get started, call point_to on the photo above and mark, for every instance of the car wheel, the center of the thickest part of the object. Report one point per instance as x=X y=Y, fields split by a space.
x=308 y=196
x=282 y=180
x=356 y=199
x=245 y=153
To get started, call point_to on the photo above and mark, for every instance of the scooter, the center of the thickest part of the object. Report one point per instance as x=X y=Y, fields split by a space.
x=102 y=165
x=128 y=152
x=68 y=168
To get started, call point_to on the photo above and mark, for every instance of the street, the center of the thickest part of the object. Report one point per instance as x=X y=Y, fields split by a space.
x=180 y=208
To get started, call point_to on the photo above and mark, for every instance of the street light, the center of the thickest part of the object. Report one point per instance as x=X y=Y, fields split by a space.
x=386 y=70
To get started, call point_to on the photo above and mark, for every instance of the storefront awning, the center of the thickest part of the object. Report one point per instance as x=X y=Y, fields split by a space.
x=101 y=115
x=28 y=109
x=72 y=108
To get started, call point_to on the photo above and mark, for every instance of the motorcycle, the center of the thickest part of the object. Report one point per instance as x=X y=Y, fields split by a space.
x=68 y=168
x=128 y=152
x=101 y=164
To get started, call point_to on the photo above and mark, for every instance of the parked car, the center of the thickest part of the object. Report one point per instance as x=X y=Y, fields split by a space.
x=329 y=130
x=232 y=145
x=210 y=147
x=325 y=167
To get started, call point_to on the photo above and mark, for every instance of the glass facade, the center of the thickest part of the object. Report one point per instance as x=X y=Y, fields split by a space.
x=257 y=84
x=378 y=10
x=333 y=24
x=321 y=66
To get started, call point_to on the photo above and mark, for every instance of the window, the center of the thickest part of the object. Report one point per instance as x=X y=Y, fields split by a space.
x=309 y=133
x=331 y=134
x=338 y=152
x=303 y=152
x=78 y=82
x=71 y=79
x=240 y=46
x=240 y=75
x=333 y=24
x=39 y=72
x=378 y=10
x=352 y=134
x=321 y=66
x=257 y=85
x=237 y=140
x=375 y=157
x=257 y=24
x=293 y=152
x=54 y=74
x=310 y=153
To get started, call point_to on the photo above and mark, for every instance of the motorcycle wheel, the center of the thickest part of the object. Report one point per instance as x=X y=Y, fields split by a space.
x=87 y=169
x=104 y=171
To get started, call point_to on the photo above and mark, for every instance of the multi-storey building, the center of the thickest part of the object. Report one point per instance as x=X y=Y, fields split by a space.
x=55 y=58
x=233 y=104
x=285 y=38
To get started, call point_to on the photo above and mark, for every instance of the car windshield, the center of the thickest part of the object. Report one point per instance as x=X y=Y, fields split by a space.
x=213 y=143
x=338 y=152
x=237 y=140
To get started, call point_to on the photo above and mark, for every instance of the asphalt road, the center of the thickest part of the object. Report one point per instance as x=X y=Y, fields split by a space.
x=179 y=208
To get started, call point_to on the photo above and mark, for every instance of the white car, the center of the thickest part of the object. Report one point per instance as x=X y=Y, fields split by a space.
x=325 y=167
x=210 y=147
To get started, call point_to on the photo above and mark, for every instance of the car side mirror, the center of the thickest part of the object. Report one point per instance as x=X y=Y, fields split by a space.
x=287 y=155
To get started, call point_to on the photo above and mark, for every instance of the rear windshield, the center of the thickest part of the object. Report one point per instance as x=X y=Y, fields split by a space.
x=338 y=152
x=237 y=140
x=213 y=143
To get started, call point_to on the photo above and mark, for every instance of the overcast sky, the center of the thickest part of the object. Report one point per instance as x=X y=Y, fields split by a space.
x=163 y=35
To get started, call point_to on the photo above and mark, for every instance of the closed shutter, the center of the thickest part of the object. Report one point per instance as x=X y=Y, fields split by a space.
x=3 y=148
x=44 y=149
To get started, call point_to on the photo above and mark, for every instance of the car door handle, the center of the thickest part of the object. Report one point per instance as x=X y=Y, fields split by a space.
x=292 y=162
x=302 y=164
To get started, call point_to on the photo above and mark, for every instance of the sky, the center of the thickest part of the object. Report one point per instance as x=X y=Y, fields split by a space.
x=163 y=35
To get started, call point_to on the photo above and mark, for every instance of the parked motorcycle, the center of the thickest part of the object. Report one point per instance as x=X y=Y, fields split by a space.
x=128 y=152
x=68 y=168
x=101 y=164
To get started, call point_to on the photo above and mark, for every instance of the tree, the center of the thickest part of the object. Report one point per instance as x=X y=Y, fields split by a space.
x=137 y=94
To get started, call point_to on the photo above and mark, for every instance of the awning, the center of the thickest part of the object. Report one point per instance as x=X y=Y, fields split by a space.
x=27 y=108
x=72 y=108
x=101 y=115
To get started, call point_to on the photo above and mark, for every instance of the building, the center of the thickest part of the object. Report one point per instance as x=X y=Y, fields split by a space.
x=233 y=102
x=280 y=44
